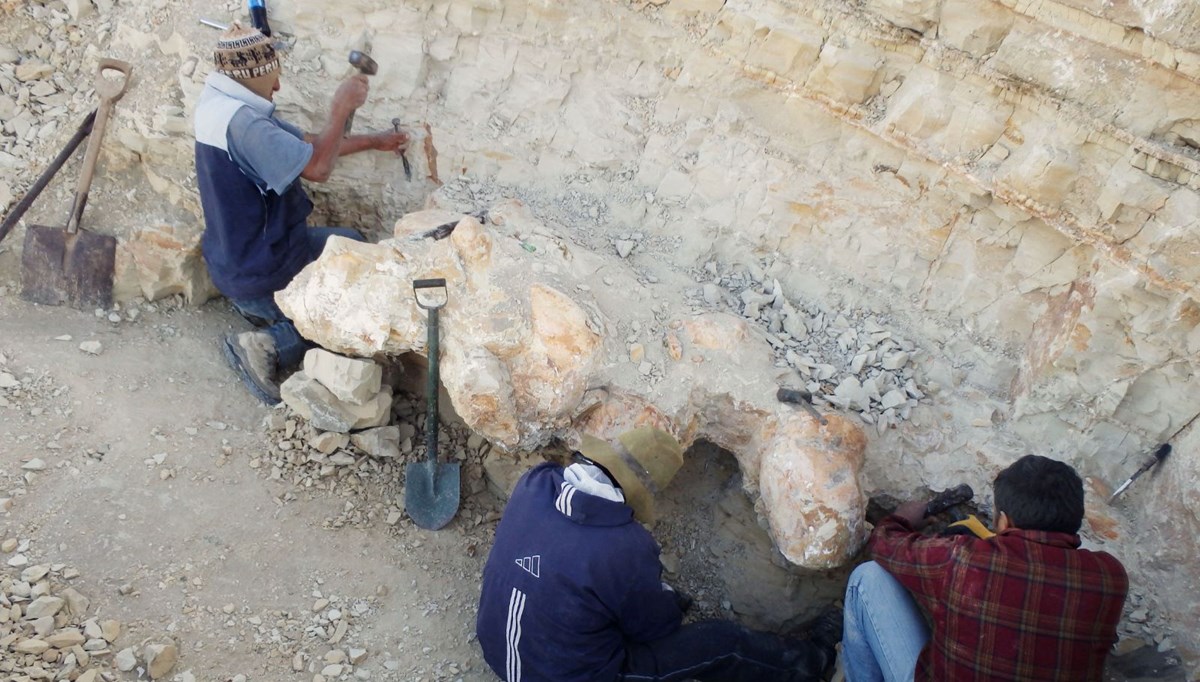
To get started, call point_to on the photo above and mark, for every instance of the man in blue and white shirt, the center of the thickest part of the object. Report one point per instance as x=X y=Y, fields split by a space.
x=572 y=589
x=248 y=167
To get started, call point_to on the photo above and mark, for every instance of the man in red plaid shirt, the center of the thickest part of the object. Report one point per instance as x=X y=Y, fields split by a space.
x=1027 y=604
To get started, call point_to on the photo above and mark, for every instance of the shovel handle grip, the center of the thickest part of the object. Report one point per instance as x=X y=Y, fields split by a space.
x=110 y=89
x=109 y=92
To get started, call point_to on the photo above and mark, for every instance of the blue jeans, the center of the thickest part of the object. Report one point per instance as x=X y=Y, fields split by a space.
x=263 y=312
x=723 y=650
x=884 y=629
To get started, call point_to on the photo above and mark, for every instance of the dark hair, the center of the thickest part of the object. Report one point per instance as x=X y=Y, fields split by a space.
x=1039 y=493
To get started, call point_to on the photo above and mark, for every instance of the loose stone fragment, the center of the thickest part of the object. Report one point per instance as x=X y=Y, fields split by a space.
x=91 y=347
x=339 y=632
x=111 y=630
x=65 y=639
x=35 y=573
x=125 y=660
x=160 y=659
x=328 y=442
x=33 y=70
x=43 y=626
x=43 y=606
x=353 y=380
x=32 y=646
x=77 y=604
x=383 y=441
x=326 y=412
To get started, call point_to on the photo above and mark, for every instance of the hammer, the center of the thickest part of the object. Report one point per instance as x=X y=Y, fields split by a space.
x=367 y=67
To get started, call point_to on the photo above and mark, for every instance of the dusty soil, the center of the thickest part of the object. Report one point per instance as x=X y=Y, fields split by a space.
x=207 y=552
x=157 y=488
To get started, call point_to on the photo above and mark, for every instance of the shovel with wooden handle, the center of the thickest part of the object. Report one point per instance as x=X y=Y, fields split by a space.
x=70 y=265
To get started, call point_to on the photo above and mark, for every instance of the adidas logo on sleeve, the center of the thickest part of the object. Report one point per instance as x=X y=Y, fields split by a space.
x=532 y=565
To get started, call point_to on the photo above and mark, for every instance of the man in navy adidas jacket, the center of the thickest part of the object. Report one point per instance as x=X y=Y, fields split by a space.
x=572 y=589
x=248 y=169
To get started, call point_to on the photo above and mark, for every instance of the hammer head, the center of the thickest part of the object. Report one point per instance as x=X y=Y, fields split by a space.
x=364 y=63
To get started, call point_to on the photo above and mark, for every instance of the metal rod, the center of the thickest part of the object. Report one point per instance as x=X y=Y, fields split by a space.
x=214 y=24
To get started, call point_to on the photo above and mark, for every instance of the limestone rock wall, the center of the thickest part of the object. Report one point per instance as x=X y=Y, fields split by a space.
x=1015 y=180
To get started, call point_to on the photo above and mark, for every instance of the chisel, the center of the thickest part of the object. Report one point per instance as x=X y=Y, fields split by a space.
x=1159 y=455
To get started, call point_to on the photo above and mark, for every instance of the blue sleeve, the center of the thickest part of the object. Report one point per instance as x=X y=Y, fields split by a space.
x=649 y=611
x=271 y=152
x=290 y=128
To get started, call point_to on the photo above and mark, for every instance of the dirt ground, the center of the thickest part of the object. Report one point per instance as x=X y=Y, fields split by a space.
x=211 y=557
x=154 y=490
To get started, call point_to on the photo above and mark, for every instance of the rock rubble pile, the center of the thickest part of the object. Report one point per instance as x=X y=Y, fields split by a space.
x=847 y=358
x=40 y=88
x=318 y=640
x=47 y=629
x=1143 y=625
x=366 y=467
x=338 y=394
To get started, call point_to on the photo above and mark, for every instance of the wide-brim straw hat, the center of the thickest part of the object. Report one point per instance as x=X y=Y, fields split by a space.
x=643 y=461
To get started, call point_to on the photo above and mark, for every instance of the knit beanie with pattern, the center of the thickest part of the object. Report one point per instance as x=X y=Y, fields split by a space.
x=248 y=57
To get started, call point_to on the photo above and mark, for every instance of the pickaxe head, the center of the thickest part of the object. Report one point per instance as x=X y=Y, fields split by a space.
x=363 y=62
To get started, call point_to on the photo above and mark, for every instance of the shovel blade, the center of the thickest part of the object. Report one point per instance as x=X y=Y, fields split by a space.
x=58 y=267
x=431 y=493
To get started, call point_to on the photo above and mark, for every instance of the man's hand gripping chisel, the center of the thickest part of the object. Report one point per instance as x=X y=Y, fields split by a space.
x=403 y=156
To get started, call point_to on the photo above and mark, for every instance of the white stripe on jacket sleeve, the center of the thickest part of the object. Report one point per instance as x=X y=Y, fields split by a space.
x=516 y=609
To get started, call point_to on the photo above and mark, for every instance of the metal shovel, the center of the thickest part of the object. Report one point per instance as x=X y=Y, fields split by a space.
x=431 y=489
x=71 y=265
x=47 y=175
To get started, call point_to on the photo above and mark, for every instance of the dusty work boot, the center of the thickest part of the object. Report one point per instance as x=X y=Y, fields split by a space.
x=826 y=629
x=823 y=632
x=252 y=357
